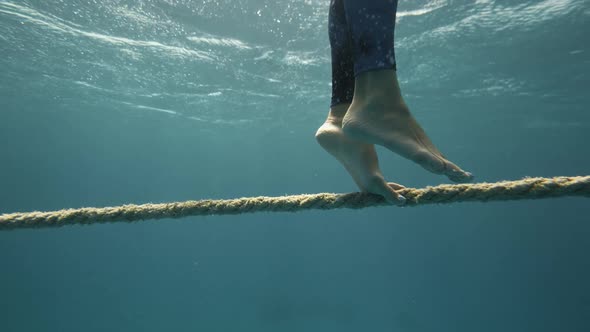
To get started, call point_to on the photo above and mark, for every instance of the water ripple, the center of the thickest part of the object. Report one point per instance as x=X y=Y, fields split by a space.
x=30 y=15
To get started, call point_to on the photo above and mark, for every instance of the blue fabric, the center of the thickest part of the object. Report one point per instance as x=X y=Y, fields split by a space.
x=361 y=39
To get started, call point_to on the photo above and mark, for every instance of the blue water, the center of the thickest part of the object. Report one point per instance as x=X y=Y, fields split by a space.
x=110 y=102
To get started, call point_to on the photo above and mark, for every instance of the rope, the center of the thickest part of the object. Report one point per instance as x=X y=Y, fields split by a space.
x=527 y=188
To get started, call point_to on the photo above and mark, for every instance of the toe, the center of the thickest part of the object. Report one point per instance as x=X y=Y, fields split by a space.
x=429 y=161
x=379 y=186
x=440 y=165
x=456 y=174
x=396 y=186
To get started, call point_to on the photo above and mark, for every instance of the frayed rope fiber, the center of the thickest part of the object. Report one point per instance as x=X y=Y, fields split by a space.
x=527 y=188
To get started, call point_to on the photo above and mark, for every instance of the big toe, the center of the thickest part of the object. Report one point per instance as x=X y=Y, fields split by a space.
x=440 y=165
x=379 y=186
x=456 y=174
x=396 y=186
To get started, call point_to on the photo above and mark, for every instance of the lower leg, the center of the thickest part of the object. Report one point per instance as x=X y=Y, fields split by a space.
x=359 y=159
x=378 y=113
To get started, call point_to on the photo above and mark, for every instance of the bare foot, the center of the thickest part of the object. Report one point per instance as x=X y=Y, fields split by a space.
x=379 y=115
x=359 y=159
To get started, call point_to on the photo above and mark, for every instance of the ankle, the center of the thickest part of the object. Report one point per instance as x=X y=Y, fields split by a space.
x=337 y=113
x=377 y=85
x=379 y=104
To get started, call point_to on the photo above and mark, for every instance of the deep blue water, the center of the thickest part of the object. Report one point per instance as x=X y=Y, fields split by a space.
x=110 y=102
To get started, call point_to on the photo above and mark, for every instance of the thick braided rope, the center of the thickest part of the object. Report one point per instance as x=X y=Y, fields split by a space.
x=528 y=188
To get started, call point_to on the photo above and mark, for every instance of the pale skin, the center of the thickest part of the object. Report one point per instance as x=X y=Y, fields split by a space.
x=379 y=115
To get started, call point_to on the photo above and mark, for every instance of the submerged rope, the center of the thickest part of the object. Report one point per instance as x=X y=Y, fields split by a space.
x=527 y=188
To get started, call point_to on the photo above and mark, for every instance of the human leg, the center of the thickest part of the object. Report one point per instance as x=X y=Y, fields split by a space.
x=359 y=159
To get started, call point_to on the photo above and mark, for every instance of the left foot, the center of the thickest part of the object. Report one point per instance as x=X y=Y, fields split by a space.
x=359 y=159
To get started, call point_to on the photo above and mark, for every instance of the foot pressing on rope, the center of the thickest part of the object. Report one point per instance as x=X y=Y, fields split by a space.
x=379 y=115
x=359 y=159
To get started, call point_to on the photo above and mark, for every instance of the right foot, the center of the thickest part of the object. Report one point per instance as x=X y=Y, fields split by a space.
x=359 y=159
x=378 y=115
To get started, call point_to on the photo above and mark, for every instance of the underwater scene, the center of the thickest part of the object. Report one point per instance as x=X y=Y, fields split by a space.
x=111 y=102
